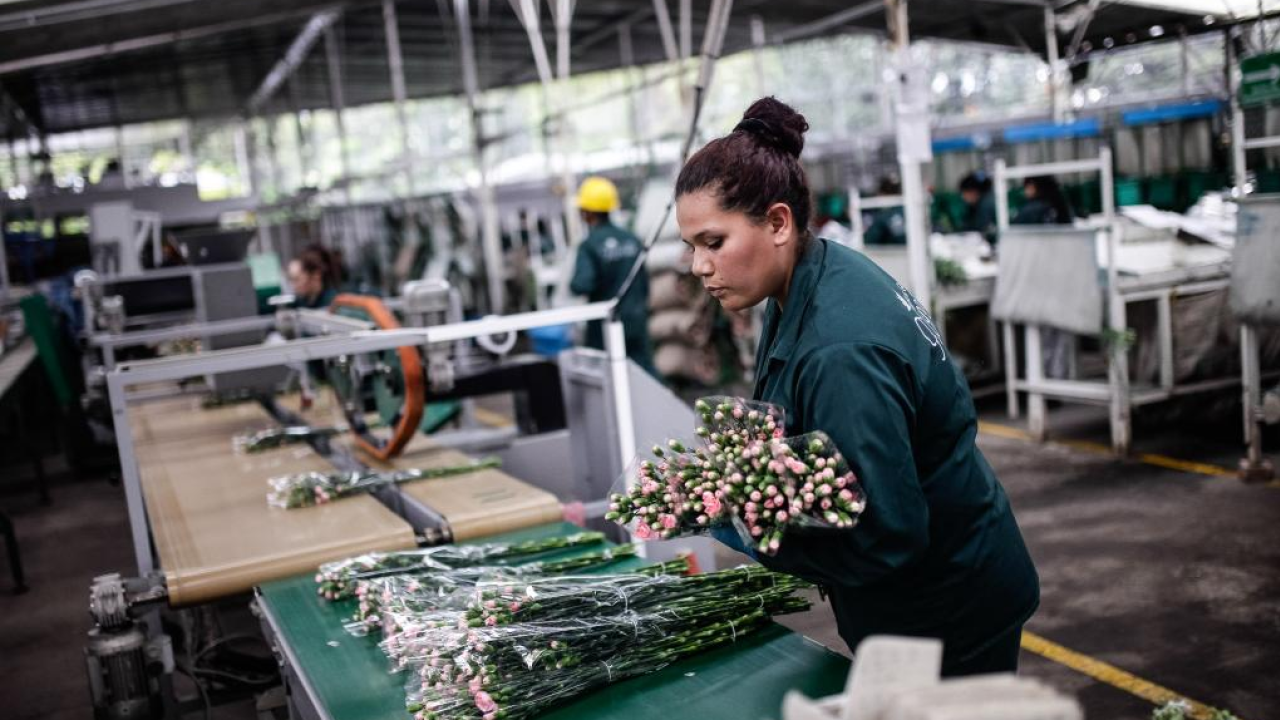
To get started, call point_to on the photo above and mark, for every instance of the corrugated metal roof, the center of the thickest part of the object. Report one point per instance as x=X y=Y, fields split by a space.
x=78 y=64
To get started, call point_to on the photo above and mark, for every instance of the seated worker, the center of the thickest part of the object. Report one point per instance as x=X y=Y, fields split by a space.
x=603 y=263
x=1045 y=205
x=314 y=276
x=889 y=225
x=979 y=206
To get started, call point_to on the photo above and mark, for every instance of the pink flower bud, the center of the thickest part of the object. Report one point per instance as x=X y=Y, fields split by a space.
x=782 y=516
x=756 y=531
x=755 y=495
x=485 y=703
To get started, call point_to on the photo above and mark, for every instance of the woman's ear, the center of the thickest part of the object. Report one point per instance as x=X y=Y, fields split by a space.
x=780 y=222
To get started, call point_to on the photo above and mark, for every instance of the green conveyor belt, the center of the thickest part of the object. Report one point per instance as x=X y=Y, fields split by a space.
x=745 y=681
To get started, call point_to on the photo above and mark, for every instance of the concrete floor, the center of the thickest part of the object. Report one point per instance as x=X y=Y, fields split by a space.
x=1168 y=575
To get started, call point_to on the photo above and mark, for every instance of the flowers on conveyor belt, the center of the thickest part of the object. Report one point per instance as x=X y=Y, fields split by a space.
x=406 y=617
x=276 y=437
x=317 y=488
x=336 y=580
x=744 y=473
x=437 y=590
x=577 y=634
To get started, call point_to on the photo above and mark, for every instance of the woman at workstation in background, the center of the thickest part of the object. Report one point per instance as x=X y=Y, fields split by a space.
x=846 y=350
x=315 y=275
x=1045 y=203
x=888 y=225
x=979 y=206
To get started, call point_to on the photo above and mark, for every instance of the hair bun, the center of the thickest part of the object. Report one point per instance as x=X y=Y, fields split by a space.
x=776 y=123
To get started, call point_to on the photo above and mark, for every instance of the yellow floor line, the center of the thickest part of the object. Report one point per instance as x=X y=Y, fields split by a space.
x=1163 y=461
x=1110 y=674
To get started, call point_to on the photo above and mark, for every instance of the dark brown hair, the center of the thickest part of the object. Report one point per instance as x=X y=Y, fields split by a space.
x=756 y=165
x=316 y=259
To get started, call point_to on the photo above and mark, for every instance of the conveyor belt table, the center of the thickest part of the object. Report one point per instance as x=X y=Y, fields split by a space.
x=335 y=676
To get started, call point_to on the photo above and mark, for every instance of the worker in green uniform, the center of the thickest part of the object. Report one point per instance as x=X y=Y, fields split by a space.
x=979 y=206
x=847 y=350
x=604 y=260
x=314 y=276
x=889 y=225
x=1045 y=204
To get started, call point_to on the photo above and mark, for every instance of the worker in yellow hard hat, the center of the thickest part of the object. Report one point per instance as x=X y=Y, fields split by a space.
x=604 y=260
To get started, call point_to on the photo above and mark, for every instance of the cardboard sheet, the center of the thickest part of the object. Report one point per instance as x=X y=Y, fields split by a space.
x=213 y=530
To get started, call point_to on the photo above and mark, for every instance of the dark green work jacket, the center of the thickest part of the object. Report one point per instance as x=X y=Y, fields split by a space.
x=937 y=552
x=889 y=227
x=981 y=216
x=604 y=260
x=319 y=302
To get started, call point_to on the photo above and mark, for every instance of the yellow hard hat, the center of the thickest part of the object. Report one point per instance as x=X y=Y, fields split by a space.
x=597 y=194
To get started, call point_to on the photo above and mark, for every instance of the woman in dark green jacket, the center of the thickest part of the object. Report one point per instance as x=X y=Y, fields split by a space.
x=847 y=350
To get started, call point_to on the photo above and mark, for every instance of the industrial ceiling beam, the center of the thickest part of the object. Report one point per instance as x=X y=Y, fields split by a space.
x=101 y=50
x=829 y=22
x=26 y=20
x=318 y=25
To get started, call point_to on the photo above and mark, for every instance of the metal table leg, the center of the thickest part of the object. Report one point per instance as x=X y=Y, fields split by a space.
x=15 y=557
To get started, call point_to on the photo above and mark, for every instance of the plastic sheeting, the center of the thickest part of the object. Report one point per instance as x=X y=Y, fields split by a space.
x=1255 y=265
x=1049 y=276
x=347 y=677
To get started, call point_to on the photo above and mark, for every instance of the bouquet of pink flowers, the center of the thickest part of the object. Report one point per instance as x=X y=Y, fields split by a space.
x=742 y=472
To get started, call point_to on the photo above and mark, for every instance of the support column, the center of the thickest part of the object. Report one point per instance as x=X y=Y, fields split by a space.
x=757 y=52
x=911 y=121
x=337 y=98
x=1057 y=101
x=184 y=147
x=490 y=240
x=395 y=61
x=305 y=156
x=627 y=55
x=564 y=21
x=244 y=162
x=120 y=150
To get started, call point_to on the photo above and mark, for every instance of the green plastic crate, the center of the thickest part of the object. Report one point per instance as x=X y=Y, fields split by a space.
x=1162 y=192
x=1128 y=192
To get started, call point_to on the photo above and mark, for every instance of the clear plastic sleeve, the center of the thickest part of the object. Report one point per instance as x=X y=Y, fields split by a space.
x=317 y=488
x=336 y=580
x=276 y=437
x=450 y=590
x=517 y=671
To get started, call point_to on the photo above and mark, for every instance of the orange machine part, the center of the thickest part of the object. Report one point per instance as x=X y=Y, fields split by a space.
x=415 y=392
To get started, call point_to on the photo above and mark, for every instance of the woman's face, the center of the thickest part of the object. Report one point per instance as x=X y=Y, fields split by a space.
x=740 y=261
x=1029 y=190
x=304 y=284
